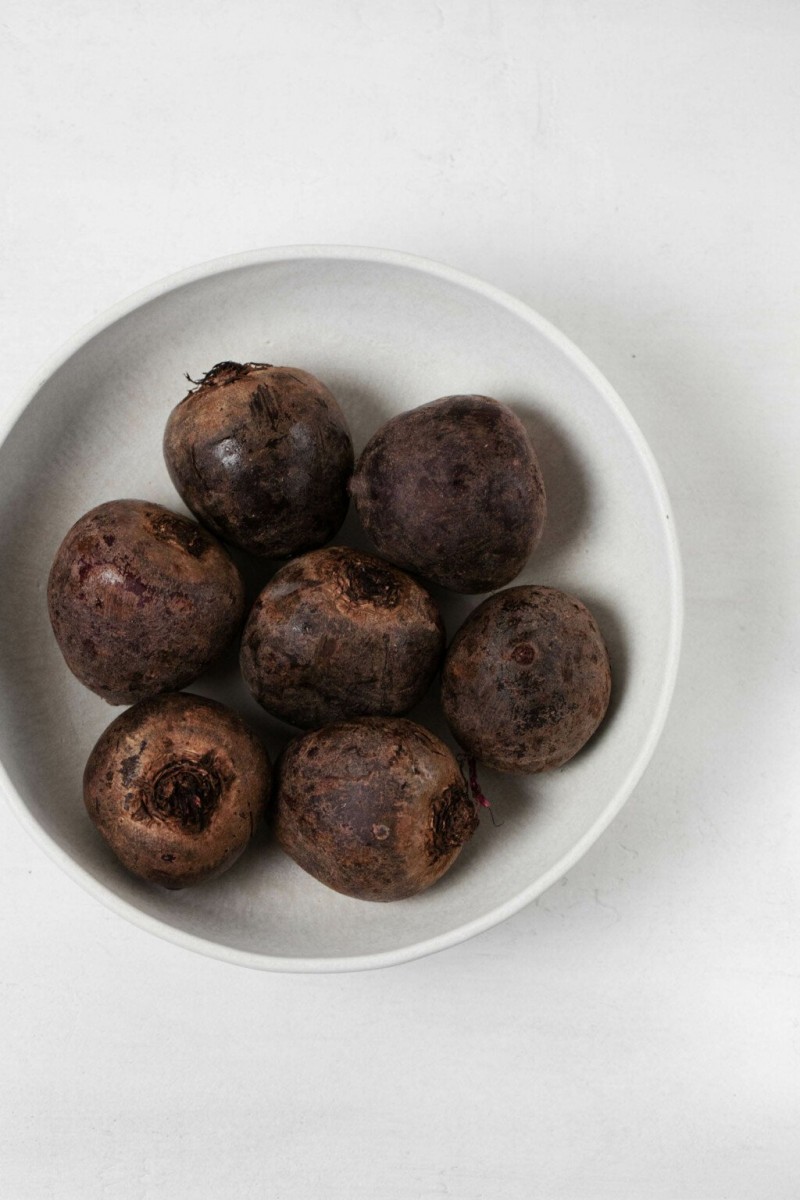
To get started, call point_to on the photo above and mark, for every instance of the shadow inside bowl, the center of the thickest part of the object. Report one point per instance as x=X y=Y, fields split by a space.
x=566 y=484
x=614 y=636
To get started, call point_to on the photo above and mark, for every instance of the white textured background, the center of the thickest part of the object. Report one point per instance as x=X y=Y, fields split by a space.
x=631 y=170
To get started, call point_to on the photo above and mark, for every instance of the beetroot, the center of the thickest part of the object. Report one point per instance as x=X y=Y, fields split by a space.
x=262 y=455
x=176 y=785
x=338 y=633
x=375 y=808
x=453 y=492
x=526 y=680
x=141 y=600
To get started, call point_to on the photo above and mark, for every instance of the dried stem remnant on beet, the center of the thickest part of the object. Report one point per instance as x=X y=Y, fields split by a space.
x=176 y=786
x=526 y=680
x=262 y=455
x=452 y=491
x=375 y=808
x=339 y=633
x=141 y=600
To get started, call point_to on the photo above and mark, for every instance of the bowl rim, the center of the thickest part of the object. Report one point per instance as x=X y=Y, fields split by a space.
x=498 y=914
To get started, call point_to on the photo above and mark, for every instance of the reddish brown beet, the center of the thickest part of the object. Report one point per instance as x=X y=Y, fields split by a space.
x=375 y=808
x=338 y=634
x=176 y=786
x=452 y=491
x=526 y=681
x=262 y=455
x=141 y=600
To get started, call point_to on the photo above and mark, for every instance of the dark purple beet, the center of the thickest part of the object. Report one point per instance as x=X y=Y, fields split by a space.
x=526 y=680
x=141 y=600
x=262 y=455
x=339 y=633
x=452 y=491
x=375 y=808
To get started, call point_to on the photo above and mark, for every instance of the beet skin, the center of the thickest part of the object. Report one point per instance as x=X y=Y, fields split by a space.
x=339 y=633
x=526 y=680
x=375 y=808
x=141 y=600
x=262 y=455
x=453 y=492
x=176 y=786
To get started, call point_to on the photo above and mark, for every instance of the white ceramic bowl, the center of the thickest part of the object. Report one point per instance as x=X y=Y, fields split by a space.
x=386 y=332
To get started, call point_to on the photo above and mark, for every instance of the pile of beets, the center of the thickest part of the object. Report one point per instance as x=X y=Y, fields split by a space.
x=340 y=643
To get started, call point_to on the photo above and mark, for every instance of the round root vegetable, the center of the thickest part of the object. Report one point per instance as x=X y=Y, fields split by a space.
x=526 y=681
x=141 y=600
x=338 y=633
x=375 y=808
x=262 y=455
x=452 y=491
x=176 y=786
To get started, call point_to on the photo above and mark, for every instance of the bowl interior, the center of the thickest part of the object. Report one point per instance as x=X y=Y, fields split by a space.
x=385 y=334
